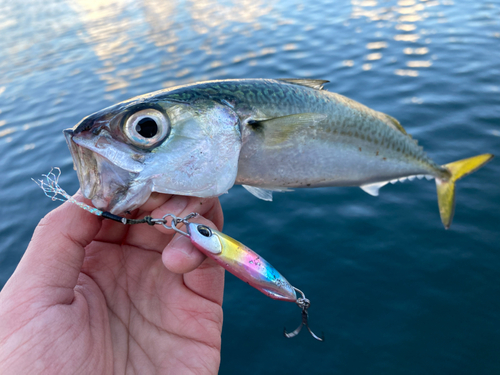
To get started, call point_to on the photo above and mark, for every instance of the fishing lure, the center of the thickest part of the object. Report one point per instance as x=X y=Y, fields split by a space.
x=232 y=255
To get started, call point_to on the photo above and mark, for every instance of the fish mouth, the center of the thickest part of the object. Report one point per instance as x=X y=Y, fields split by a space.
x=110 y=187
x=85 y=165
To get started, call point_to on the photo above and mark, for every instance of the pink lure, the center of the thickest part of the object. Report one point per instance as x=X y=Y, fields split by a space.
x=241 y=261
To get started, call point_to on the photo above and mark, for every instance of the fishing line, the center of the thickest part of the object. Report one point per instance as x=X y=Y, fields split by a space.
x=50 y=186
x=52 y=189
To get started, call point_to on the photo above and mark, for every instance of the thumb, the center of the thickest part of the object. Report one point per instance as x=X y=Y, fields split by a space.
x=51 y=264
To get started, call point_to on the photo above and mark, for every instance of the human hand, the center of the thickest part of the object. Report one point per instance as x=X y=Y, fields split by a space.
x=96 y=296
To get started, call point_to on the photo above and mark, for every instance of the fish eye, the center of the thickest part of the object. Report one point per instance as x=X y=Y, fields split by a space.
x=146 y=128
x=204 y=231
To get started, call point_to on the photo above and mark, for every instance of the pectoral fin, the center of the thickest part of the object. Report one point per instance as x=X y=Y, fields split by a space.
x=264 y=194
x=280 y=129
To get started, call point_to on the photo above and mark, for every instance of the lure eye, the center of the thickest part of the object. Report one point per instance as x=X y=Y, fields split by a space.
x=204 y=231
x=146 y=128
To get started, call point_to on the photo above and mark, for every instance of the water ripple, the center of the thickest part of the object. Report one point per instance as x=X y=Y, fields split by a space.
x=389 y=285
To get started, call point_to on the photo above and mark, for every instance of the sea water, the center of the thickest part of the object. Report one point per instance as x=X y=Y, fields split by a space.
x=393 y=292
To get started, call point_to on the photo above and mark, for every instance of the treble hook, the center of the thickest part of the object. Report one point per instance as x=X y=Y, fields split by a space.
x=304 y=304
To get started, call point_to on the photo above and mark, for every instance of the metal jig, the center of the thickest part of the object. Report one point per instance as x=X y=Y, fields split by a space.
x=302 y=301
x=304 y=304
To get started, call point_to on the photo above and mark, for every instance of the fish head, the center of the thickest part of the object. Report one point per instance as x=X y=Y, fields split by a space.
x=125 y=152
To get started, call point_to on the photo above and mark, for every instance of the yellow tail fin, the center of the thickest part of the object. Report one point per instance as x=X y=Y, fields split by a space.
x=446 y=189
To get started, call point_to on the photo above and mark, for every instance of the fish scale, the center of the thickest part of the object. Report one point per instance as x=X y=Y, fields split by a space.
x=261 y=94
x=267 y=135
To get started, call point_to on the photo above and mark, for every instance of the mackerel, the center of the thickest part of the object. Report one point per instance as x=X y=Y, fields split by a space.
x=267 y=135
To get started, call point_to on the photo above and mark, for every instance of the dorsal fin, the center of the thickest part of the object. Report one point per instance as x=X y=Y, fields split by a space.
x=314 y=83
x=395 y=124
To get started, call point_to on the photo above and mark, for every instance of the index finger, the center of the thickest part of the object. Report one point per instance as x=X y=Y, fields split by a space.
x=180 y=206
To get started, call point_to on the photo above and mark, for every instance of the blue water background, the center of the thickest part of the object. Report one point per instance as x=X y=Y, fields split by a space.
x=393 y=292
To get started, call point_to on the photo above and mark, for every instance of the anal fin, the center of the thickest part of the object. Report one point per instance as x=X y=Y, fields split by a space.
x=373 y=189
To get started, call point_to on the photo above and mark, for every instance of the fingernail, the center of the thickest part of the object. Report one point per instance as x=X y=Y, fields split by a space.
x=180 y=244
